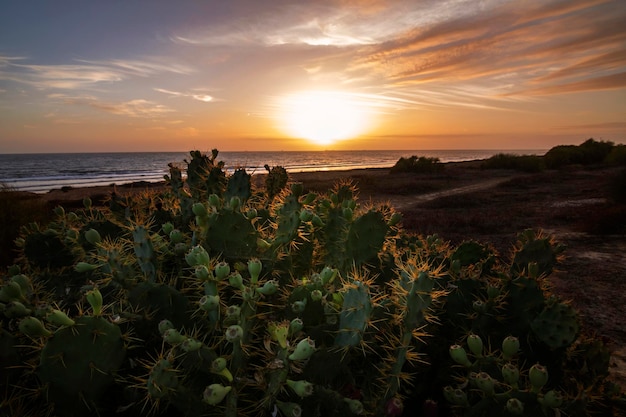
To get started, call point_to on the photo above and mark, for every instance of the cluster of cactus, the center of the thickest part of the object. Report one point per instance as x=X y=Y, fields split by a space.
x=215 y=298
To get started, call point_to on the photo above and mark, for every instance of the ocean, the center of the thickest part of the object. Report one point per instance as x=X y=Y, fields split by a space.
x=40 y=173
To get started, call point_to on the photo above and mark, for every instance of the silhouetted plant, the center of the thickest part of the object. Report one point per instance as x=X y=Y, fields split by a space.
x=617 y=156
x=525 y=163
x=422 y=164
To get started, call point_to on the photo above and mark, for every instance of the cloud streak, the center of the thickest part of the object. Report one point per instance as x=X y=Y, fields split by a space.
x=83 y=75
x=580 y=41
x=136 y=108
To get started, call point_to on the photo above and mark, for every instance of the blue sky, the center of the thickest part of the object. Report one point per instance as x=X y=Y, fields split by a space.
x=250 y=75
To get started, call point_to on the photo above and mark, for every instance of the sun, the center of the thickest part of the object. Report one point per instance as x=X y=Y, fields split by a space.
x=323 y=117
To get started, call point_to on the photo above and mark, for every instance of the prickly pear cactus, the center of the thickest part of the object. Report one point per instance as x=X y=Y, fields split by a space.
x=79 y=363
x=215 y=298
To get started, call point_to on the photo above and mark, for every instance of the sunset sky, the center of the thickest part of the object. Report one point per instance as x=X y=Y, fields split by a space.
x=93 y=76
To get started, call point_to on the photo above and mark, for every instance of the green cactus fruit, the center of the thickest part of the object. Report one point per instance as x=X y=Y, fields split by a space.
x=165 y=325
x=299 y=306
x=233 y=312
x=209 y=302
x=459 y=355
x=222 y=270
x=510 y=347
x=215 y=393
x=173 y=337
x=295 y=326
x=552 y=399
x=269 y=288
x=85 y=267
x=233 y=333
x=94 y=298
x=191 y=345
x=197 y=256
x=279 y=332
x=538 y=376
x=316 y=295
x=455 y=396
x=479 y=306
x=515 y=406
x=203 y=273
x=485 y=383
x=236 y=280
x=32 y=327
x=302 y=388
x=87 y=203
x=327 y=275
x=167 y=228
x=23 y=281
x=317 y=221
x=176 y=236
x=214 y=201
x=306 y=215
x=355 y=406
x=510 y=374
x=254 y=269
x=12 y=291
x=219 y=367
x=93 y=236
x=304 y=349
x=59 y=318
x=475 y=344
x=289 y=409
x=493 y=291
x=16 y=309
x=199 y=210
x=263 y=244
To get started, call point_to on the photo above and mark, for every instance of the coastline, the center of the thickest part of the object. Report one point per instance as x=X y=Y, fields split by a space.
x=320 y=180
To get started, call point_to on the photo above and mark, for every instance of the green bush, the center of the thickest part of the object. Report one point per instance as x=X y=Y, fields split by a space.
x=524 y=163
x=588 y=153
x=419 y=165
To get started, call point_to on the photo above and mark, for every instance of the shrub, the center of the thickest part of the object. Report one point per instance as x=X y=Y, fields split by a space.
x=587 y=153
x=421 y=165
x=617 y=156
x=563 y=155
x=525 y=163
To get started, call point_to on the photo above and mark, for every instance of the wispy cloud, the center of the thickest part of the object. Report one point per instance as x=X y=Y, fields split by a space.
x=582 y=41
x=132 y=108
x=83 y=75
x=200 y=96
x=323 y=23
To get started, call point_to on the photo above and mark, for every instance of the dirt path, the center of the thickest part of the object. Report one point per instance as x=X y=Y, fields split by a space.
x=404 y=202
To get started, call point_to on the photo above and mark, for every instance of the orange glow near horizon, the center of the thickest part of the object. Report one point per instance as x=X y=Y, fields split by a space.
x=322 y=117
x=348 y=75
